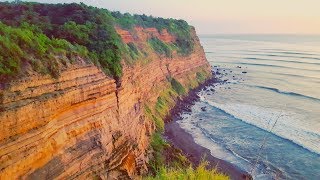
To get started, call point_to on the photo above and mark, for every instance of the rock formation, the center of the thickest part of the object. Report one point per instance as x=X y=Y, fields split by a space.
x=84 y=124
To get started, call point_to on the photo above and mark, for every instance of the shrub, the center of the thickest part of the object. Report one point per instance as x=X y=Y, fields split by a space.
x=126 y=21
x=78 y=24
x=157 y=144
x=10 y=56
x=88 y=27
x=20 y=45
x=75 y=33
x=160 y=47
x=157 y=120
x=199 y=173
x=179 y=28
x=133 y=50
x=177 y=87
x=162 y=106
x=201 y=76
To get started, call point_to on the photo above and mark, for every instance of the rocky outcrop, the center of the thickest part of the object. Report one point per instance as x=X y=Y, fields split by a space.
x=125 y=35
x=142 y=34
x=84 y=125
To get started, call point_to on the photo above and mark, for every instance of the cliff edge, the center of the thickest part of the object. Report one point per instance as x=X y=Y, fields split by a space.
x=86 y=123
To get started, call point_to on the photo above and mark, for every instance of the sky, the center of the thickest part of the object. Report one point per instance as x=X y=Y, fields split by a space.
x=225 y=16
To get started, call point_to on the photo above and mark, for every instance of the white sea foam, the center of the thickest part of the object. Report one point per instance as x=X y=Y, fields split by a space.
x=259 y=96
x=216 y=149
x=287 y=125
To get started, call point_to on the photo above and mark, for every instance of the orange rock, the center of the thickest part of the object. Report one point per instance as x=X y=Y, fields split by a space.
x=145 y=33
x=166 y=37
x=125 y=35
x=81 y=125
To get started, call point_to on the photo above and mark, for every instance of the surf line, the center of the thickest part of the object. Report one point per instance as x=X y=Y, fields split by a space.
x=264 y=142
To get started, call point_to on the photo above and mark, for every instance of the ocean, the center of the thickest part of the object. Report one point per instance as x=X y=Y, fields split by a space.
x=264 y=117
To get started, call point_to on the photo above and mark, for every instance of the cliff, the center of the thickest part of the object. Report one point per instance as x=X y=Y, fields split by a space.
x=85 y=124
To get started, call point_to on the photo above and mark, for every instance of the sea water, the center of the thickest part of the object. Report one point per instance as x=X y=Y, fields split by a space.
x=264 y=116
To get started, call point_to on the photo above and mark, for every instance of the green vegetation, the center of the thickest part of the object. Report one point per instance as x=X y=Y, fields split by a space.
x=162 y=107
x=177 y=87
x=167 y=98
x=78 y=24
x=157 y=120
x=199 y=173
x=164 y=155
x=178 y=28
x=133 y=51
x=169 y=163
x=158 y=145
x=46 y=38
x=87 y=30
x=164 y=103
x=201 y=76
x=160 y=47
x=25 y=46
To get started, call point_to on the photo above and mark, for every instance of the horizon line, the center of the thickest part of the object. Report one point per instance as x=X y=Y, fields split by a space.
x=293 y=34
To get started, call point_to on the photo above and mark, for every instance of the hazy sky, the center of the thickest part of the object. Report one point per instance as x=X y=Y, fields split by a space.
x=226 y=16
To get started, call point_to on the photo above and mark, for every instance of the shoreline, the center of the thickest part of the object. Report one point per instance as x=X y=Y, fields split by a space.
x=181 y=139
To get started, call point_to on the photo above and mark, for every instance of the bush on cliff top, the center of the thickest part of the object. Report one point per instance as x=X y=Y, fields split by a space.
x=178 y=28
x=23 y=45
x=78 y=24
x=85 y=26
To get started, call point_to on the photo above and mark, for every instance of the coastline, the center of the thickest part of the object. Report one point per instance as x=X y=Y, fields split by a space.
x=181 y=139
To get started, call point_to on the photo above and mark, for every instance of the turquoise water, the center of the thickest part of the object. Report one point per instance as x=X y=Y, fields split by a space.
x=265 y=117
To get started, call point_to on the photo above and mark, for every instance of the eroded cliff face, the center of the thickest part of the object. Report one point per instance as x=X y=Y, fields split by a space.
x=83 y=125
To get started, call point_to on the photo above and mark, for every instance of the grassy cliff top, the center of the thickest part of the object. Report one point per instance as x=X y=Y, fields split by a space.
x=47 y=37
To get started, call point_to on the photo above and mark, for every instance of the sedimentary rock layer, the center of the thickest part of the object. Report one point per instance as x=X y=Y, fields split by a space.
x=84 y=125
